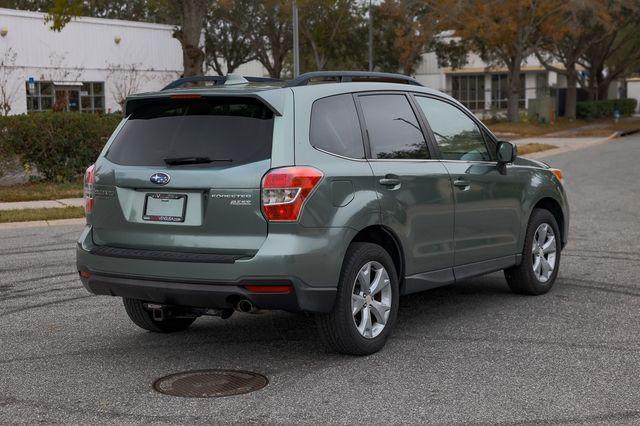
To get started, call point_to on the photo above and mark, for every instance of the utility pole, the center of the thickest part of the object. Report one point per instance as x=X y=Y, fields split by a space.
x=370 y=37
x=296 y=43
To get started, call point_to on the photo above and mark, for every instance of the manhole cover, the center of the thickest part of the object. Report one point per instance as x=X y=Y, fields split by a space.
x=210 y=383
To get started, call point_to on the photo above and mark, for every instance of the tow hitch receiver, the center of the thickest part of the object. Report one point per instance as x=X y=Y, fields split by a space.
x=161 y=312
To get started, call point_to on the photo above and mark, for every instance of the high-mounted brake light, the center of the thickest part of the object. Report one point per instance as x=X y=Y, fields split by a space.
x=89 y=180
x=186 y=96
x=285 y=190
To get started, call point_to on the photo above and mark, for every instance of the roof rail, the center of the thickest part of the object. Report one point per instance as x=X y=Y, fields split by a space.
x=349 y=76
x=216 y=80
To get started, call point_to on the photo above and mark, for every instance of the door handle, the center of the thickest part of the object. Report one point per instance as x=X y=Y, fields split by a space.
x=390 y=180
x=461 y=183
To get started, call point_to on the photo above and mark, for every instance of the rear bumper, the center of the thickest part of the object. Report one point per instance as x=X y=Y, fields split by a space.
x=218 y=295
x=310 y=259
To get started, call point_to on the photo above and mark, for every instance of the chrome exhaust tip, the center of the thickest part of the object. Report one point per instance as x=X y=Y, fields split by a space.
x=246 y=306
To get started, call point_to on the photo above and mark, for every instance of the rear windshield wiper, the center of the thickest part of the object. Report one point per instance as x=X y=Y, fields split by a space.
x=193 y=160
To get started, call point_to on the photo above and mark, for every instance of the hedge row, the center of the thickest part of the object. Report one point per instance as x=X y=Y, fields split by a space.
x=59 y=145
x=600 y=109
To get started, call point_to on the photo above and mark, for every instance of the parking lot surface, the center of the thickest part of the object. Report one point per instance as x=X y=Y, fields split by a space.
x=470 y=352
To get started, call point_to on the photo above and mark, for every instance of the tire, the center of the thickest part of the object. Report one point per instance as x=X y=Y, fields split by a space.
x=523 y=279
x=339 y=328
x=143 y=319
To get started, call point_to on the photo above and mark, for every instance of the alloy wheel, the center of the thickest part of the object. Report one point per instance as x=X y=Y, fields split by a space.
x=544 y=252
x=371 y=299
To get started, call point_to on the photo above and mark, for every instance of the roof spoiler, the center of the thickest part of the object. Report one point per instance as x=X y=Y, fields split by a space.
x=214 y=80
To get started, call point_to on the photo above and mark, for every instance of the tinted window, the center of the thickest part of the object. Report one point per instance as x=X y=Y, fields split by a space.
x=236 y=129
x=456 y=134
x=394 y=132
x=335 y=127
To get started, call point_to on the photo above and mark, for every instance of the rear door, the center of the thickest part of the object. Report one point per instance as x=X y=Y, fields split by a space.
x=184 y=174
x=413 y=189
x=488 y=204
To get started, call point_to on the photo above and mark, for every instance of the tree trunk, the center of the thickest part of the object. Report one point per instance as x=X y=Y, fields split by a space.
x=572 y=92
x=603 y=89
x=193 y=13
x=513 y=111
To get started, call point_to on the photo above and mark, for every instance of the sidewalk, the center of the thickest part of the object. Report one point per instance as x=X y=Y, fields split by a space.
x=45 y=204
x=560 y=141
x=563 y=144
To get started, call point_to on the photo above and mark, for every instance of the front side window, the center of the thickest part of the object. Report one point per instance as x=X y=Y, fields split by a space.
x=335 y=126
x=394 y=132
x=456 y=134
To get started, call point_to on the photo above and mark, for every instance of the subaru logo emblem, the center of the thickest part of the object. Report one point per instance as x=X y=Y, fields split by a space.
x=160 y=178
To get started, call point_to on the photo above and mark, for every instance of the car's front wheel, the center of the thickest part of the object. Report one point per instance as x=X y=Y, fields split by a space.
x=366 y=304
x=538 y=270
x=143 y=318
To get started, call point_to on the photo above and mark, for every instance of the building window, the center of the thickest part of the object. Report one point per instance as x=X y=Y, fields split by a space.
x=542 y=84
x=500 y=91
x=49 y=96
x=40 y=97
x=469 y=90
x=92 y=97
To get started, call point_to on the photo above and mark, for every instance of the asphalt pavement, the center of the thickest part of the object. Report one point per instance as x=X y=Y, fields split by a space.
x=471 y=352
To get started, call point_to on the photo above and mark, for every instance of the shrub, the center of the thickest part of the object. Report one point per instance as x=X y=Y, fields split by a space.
x=600 y=109
x=59 y=145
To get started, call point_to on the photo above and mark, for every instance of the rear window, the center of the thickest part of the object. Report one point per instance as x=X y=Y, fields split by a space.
x=239 y=130
x=335 y=126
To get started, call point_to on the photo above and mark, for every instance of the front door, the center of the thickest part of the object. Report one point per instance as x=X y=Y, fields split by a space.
x=67 y=99
x=488 y=212
x=413 y=189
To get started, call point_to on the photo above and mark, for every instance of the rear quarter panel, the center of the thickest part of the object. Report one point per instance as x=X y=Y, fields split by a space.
x=346 y=196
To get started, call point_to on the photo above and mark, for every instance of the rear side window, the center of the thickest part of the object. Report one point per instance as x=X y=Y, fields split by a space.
x=458 y=137
x=335 y=127
x=394 y=132
x=237 y=129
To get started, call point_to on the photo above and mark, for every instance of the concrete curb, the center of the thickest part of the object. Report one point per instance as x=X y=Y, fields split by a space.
x=562 y=150
x=41 y=223
x=42 y=204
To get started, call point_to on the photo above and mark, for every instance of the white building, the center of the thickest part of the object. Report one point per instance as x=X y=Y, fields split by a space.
x=91 y=65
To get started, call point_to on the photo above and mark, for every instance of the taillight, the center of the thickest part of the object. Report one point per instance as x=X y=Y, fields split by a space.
x=89 y=180
x=285 y=190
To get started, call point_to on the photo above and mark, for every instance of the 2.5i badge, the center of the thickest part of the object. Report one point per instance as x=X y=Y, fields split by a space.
x=233 y=199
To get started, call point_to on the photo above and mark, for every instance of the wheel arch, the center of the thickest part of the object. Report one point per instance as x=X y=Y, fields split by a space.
x=555 y=208
x=386 y=238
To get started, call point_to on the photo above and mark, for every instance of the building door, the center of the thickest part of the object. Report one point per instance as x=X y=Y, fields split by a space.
x=67 y=99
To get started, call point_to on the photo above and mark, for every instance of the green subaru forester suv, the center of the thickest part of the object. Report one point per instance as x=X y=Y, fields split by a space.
x=334 y=194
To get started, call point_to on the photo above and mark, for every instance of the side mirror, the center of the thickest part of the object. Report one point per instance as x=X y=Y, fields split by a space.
x=507 y=152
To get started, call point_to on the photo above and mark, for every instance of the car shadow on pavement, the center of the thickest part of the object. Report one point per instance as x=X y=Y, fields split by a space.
x=268 y=338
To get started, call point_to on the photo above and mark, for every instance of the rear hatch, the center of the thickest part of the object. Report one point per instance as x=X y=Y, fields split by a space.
x=183 y=174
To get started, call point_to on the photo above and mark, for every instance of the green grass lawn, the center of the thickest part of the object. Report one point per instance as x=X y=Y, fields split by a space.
x=27 y=215
x=40 y=191
x=533 y=129
x=601 y=127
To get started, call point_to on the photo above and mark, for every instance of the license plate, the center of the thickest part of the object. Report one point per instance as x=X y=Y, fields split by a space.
x=165 y=207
